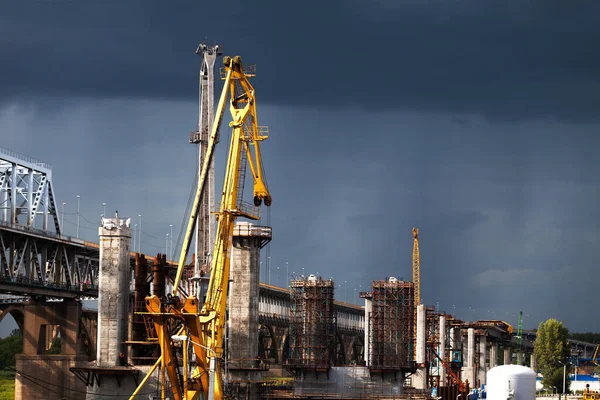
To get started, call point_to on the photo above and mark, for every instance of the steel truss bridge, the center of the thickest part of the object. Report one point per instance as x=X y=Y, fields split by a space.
x=36 y=259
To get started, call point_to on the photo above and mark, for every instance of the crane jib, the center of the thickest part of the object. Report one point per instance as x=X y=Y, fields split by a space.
x=204 y=330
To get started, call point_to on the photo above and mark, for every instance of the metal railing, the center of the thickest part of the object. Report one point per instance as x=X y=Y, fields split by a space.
x=249 y=71
x=19 y=156
x=28 y=229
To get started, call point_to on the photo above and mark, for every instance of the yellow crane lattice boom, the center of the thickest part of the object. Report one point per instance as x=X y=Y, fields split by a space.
x=205 y=328
x=416 y=267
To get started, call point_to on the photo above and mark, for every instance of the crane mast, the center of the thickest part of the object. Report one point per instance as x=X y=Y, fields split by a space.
x=172 y=317
x=416 y=267
x=416 y=277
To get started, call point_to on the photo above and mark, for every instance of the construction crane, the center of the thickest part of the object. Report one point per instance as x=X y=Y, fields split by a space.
x=416 y=267
x=177 y=319
x=416 y=277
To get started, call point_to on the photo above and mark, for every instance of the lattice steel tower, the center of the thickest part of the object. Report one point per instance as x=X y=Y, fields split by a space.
x=205 y=225
x=416 y=277
x=416 y=267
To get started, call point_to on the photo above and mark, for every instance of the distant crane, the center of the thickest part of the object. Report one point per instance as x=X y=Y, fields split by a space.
x=416 y=267
x=416 y=277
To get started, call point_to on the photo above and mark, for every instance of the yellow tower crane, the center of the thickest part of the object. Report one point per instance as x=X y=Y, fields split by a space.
x=416 y=267
x=180 y=319
x=416 y=277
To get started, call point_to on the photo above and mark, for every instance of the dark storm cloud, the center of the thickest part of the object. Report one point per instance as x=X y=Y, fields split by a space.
x=507 y=61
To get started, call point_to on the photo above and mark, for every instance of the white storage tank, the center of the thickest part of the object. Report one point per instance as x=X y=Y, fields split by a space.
x=514 y=382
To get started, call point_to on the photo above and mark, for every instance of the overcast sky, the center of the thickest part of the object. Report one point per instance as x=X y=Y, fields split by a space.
x=476 y=122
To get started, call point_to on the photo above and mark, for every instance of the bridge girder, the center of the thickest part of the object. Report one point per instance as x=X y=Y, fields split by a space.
x=41 y=265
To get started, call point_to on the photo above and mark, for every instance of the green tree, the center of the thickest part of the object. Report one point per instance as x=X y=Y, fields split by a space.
x=9 y=347
x=551 y=351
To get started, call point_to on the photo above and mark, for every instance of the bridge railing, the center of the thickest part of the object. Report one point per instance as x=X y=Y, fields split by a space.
x=19 y=156
x=28 y=229
x=23 y=281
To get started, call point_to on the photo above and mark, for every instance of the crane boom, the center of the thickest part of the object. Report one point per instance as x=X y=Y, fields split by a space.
x=416 y=277
x=416 y=267
x=205 y=329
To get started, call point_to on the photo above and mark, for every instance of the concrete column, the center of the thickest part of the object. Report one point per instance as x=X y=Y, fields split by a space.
x=367 y=327
x=420 y=334
x=452 y=337
x=243 y=306
x=113 y=296
x=493 y=354
x=468 y=371
x=482 y=370
x=420 y=376
x=532 y=363
x=506 y=356
x=470 y=347
x=442 y=349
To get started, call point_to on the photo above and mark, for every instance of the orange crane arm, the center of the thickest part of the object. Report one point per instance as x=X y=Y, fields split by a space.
x=455 y=377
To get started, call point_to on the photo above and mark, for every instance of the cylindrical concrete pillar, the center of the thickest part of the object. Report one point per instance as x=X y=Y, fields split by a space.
x=470 y=347
x=493 y=354
x=420 y=334
x=442 y=353
x=420 y=376
x=367 y=328
x=482 y=370
x=507 y=356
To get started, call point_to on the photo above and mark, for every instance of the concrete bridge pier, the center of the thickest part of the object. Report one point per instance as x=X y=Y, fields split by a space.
x=469 y=370
x=493 y=355
x=243 y=337
x=51 y=346
x=109 y=376
x=482 y=367
x=420 y=376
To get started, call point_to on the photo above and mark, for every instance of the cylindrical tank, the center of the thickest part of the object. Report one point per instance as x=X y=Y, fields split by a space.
x=506 y=379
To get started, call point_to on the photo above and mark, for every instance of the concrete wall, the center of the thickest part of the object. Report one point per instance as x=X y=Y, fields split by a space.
x=109 y=389
x=47 y=377
x=113 y=298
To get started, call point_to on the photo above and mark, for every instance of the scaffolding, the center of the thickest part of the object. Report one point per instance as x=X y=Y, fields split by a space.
x=391 y=325
x=312 y=337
